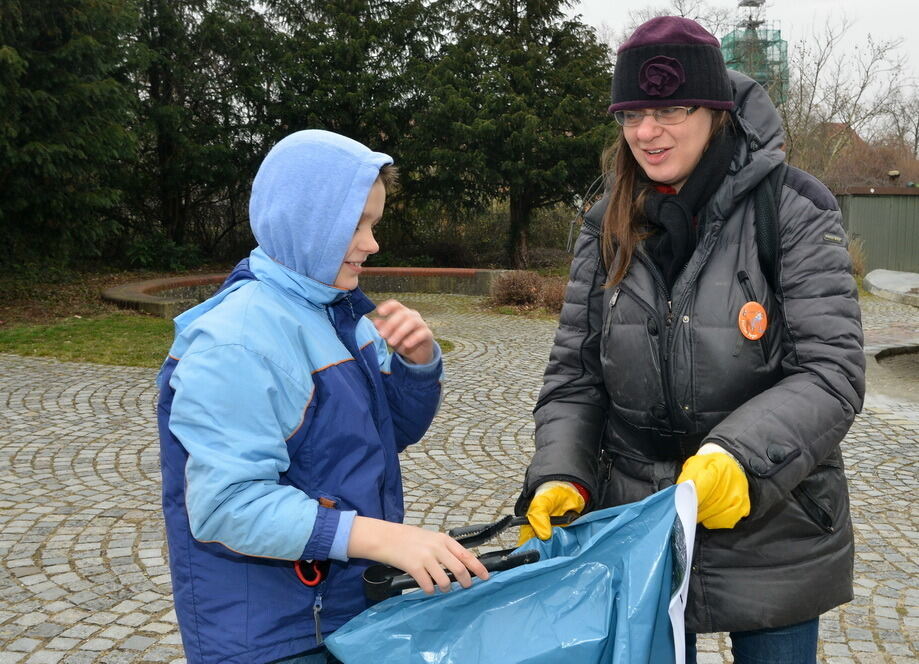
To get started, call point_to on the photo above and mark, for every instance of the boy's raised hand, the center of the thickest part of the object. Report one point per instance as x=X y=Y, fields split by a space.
x=421 y=553
x=405 y=330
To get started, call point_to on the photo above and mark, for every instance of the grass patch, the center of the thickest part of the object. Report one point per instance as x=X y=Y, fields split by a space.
x=62 y=315
x=48 y=298
x=120 y=338
x=540 y=313
x=123 y=338
x=560 y=270
x=431 y=304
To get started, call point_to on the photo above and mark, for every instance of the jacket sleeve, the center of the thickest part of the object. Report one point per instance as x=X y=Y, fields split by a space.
x=571 y=410
x=783 y=433
x=413 y=391
x=236 y=455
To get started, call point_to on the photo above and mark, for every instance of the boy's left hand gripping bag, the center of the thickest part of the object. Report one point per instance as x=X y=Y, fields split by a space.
x=610 y=588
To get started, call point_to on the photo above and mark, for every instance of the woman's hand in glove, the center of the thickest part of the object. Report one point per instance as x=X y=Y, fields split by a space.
x=721 y=486
x=551 y=499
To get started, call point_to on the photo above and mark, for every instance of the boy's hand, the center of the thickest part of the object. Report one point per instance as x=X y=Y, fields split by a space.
x=421 y=553
x=405 y=330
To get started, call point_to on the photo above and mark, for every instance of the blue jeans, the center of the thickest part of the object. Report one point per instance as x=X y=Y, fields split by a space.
x=795 y=644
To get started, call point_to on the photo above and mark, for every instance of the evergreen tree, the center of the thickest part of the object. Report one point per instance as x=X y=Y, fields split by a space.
x=203 y=88
x=516 y=109
x=356 y=67
x=63 y=113
x=351 y=66
x=220 y=81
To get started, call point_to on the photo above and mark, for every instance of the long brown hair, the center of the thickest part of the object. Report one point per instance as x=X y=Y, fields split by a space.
x=622 y=221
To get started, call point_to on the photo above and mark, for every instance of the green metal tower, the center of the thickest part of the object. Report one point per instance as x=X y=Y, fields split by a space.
x=757 y=49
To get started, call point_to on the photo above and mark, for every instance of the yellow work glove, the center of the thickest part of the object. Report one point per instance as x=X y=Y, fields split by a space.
x=721 y=486
x=551 y=499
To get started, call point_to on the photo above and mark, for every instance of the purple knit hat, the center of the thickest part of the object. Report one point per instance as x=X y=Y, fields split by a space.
x=671 y=61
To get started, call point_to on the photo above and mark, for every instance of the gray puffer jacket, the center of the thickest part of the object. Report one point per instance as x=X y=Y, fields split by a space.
x=636 y=382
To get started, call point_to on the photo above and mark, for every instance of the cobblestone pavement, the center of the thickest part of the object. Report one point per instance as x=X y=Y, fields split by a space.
x=83 y=574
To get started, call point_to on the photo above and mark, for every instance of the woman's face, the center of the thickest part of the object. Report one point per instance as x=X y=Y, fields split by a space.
x=669 y=153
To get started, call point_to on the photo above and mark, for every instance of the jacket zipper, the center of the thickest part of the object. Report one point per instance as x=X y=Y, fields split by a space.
x=662 y=354
x=607 y=324
x=664 y=346
x=813 y=509
x=750 y=294
x=317 y=610
x=708 y=243
x=358 y=357
x=375 y=409
x=350 y=306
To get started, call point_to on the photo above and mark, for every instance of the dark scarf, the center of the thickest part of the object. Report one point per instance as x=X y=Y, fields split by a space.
x=670 y=216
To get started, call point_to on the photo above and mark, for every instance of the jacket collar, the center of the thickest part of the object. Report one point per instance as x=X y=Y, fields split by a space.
x=293 y=284
x=759 y=149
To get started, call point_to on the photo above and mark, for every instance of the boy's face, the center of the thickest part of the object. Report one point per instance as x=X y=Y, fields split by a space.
x=362 y=244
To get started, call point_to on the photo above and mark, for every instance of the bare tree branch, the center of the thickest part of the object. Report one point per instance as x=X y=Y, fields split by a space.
x=838 y=101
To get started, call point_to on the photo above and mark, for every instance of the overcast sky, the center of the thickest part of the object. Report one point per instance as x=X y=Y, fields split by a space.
x=883 y=19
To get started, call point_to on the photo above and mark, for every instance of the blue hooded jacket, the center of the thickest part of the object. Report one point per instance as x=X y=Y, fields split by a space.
x=281 y=414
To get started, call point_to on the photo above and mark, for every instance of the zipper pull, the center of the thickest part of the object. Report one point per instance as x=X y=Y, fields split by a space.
x=317 y=609
x=615 y=296
x=350 y=306
x=669 y=312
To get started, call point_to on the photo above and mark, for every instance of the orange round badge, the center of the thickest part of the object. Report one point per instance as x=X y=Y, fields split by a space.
x=752 y=320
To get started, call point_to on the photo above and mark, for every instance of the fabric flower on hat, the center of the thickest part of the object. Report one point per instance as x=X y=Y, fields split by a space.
x=661 y=76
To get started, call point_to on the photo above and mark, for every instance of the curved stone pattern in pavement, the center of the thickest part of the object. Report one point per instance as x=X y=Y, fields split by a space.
x=83 y=574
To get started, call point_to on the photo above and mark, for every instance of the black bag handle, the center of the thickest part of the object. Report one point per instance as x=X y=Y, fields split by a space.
x=383 y=581
x=479 y=533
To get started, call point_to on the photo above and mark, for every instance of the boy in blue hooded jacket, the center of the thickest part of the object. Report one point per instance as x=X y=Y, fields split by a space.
x=281 y=415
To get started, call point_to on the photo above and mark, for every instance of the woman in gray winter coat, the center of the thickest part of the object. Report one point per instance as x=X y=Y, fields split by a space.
x=682 y=354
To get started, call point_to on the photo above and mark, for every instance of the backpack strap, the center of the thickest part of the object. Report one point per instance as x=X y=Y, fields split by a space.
x=768 y=194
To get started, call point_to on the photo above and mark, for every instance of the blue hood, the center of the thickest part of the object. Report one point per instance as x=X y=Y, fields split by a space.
x=307 y=198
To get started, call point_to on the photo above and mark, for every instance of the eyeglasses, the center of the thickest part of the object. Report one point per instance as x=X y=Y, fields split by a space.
x=669 y=115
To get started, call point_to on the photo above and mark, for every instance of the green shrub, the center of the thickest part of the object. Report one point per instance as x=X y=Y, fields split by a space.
x=159 y=252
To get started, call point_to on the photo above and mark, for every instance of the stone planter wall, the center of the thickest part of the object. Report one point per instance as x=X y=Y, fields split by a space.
x=170 y=297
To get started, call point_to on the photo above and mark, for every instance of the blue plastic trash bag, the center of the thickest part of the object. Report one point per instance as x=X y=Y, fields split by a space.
x=606 y=589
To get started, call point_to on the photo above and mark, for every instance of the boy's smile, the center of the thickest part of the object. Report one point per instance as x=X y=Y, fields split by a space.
x=363 y=244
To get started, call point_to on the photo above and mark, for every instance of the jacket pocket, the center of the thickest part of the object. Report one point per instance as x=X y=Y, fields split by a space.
x=811 y=495
x=630 y=358
x=750 y=294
